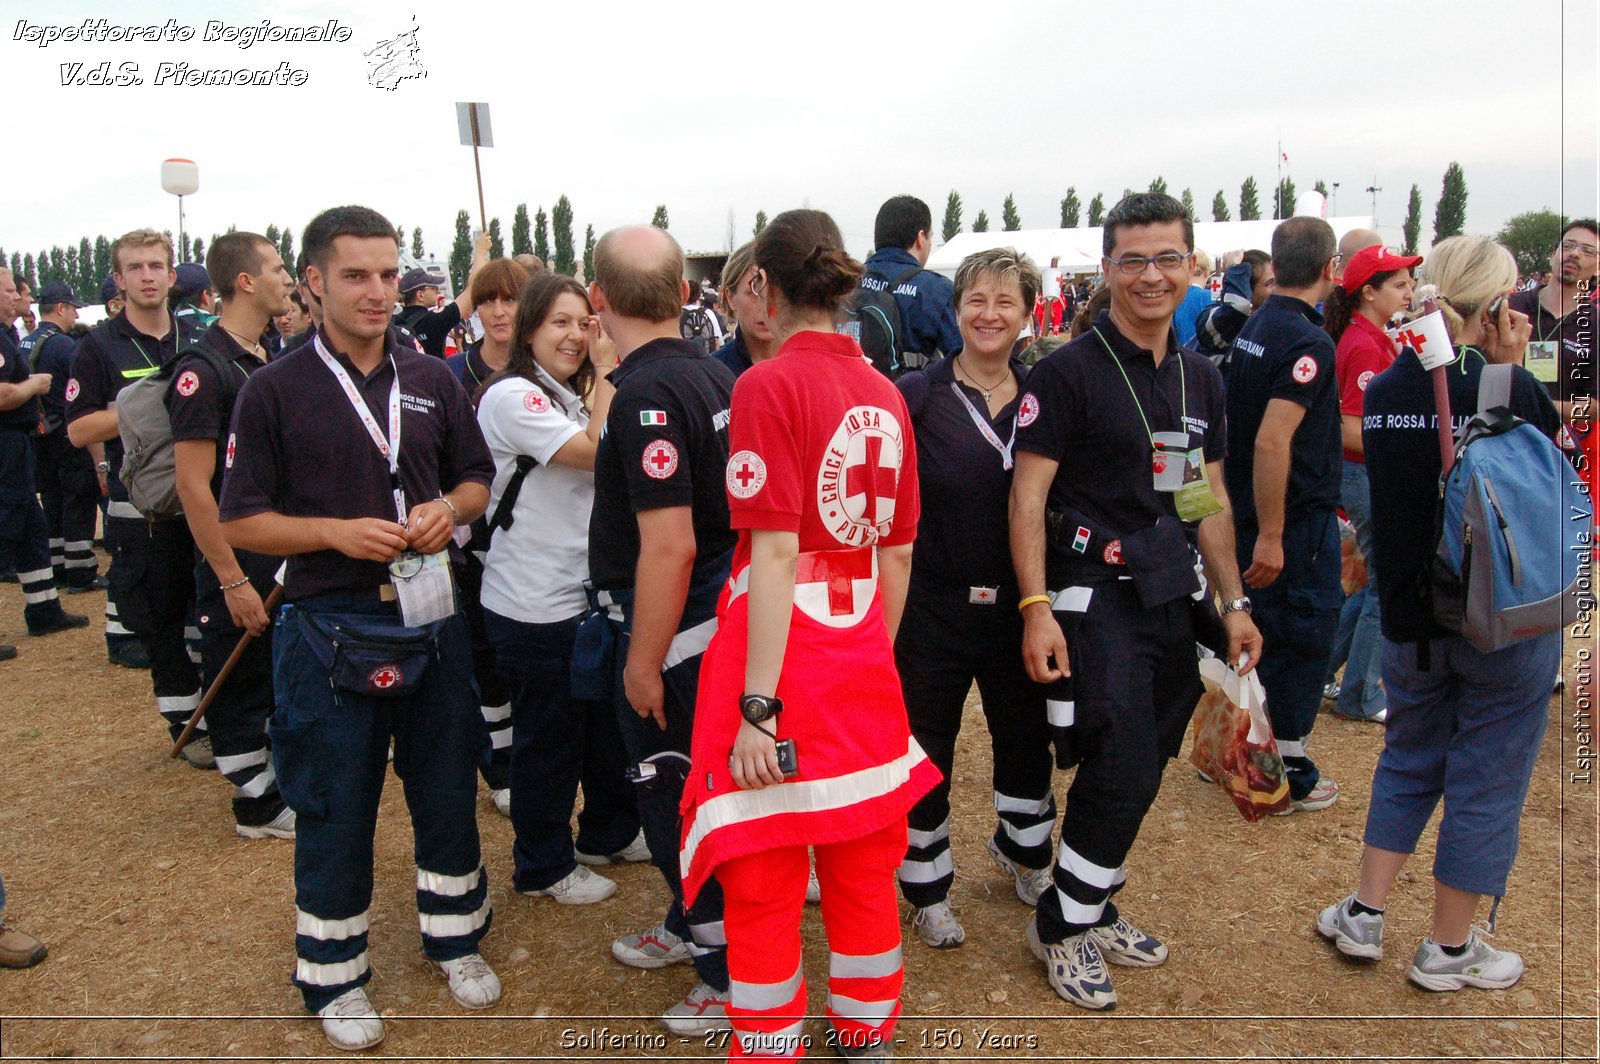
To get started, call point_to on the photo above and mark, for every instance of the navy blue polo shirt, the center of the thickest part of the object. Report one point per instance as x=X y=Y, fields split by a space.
x=14 y=369
x=1078 y=410
x=1283 y=352
x=112 y=356
x=1400 y=435
x=298 y=449
x=430 y=325
x=200 y=404
x=470 y=368
x=734 y=354
x=1574 y=337
x=49 y=350
x=665 y=444
x=963 y=538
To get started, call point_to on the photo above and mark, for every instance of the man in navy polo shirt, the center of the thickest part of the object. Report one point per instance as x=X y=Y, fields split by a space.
x=1118 y=468
x=67 y=485
x=1285 y=476
x=902 y=239
x=422 y=317
x=1562 y=313
x=660 y=547
x=348 y=454
x=230 y=585
x=152 y=562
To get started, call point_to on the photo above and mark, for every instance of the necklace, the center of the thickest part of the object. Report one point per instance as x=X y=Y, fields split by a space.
x=988 y=392
x=252 y=346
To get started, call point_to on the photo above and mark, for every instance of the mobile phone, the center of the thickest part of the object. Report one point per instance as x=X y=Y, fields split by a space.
x=1495 y=307
x=788 y=758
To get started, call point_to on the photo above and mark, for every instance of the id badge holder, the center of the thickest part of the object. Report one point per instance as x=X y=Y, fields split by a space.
x=1194 y=499
x=1543 y=361
x=424 y=587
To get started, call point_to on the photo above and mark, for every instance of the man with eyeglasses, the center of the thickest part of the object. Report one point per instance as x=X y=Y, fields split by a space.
x=1561 y=351
x=1285 y=476
x=1118 y=471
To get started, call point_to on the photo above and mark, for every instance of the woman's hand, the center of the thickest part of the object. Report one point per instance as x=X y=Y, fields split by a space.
x=602 y=349
x=1505 y=338
x=754 y=761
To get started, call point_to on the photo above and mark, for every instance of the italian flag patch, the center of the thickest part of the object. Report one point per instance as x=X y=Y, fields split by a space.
x=652 y=417
x=1080 y=542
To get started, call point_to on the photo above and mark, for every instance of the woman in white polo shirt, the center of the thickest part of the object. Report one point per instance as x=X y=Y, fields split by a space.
x=548 y=405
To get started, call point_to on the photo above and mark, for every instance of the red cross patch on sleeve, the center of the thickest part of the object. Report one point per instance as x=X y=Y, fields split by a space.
x=660 y=459
x=188 y=383
x=747 y=475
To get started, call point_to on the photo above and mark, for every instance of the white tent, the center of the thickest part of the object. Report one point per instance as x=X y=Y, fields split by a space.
x=1078 y=250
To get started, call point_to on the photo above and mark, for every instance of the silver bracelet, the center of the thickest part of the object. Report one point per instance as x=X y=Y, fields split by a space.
x=453 y=512
x=237 y=583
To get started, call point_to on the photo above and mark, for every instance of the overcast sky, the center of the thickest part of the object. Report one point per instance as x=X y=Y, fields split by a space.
x=717 y=110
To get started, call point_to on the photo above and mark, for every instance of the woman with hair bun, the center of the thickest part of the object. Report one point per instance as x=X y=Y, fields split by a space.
x=801 y=738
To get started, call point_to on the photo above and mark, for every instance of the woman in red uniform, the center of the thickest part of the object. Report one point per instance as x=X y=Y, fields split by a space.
x=822 y=487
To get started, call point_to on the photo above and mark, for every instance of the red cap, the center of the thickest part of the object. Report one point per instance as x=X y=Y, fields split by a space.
x=1368 y=262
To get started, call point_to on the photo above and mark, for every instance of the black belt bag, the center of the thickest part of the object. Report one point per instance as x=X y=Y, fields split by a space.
x=370 y=656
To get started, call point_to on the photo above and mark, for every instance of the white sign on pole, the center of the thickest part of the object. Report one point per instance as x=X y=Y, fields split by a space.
x=1429 y=338
x=464 y=115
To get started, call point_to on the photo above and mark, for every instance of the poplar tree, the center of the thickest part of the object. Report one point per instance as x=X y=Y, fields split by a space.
x=1219 y=208
x=561 y=219
x=1450 y=213
x=952 y=216
x=1071 y=209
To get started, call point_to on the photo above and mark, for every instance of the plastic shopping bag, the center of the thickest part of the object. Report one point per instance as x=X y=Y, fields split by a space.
x=1233 y=741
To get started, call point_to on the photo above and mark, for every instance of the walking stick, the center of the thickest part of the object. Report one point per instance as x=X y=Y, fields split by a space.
x=222 y=678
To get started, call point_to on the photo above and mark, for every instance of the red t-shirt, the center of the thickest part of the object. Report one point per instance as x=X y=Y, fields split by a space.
x=821 y=444
x=1364 y=352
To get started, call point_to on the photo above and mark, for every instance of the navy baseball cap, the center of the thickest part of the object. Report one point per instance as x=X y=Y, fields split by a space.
x=419 y=278
x=192 y=280
x=109 y=289
x=58 y=292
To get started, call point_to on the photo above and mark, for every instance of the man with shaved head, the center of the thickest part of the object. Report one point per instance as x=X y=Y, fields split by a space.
x=660 y=546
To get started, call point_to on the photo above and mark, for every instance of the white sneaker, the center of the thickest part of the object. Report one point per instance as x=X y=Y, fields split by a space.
x=702 y=1010
x=654 y=948
x=350 y=1022
x=279 y=827
x=813 y=889
x=501 y=800
x=1031 y=882
x=636 y=851
x=578 y=887
x=938 y=927
x=1481 y=965
x=472 y=982
x=198 y=752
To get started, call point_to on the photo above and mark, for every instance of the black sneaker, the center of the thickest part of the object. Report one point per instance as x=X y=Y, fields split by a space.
x=129 y=655
x=61 y=622
x=99 y=583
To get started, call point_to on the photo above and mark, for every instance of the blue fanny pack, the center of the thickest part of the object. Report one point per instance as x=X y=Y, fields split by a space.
x=369 y=655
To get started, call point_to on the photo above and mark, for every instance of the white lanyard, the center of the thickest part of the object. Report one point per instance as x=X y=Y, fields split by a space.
x=389 y=448
x=986 y=429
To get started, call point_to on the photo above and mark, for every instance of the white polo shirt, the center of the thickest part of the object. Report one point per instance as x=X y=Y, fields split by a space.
x=535 y=569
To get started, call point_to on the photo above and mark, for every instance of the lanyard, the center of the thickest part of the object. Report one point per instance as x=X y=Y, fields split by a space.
x=389 y=448
x=987 y=430
x=1183 y=384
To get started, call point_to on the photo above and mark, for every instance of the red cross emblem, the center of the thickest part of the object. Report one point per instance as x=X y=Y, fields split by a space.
x=1028 y=412
x=536 y=401
x=228 y=461
x=72 y=389
x=747 y=474
x=1305 y=370
x=188 y=383
x=1412 y=339
x=866 y=477
x=1113 y=552
x=984 y=594
x=1158 y=464
x=660 y=460
x=1364 y=380
x=384 y=677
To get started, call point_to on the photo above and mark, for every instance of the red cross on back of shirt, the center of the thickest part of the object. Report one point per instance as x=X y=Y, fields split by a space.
x=864 y=478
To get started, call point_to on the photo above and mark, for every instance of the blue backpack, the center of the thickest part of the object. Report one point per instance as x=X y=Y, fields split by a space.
x=1513 y=526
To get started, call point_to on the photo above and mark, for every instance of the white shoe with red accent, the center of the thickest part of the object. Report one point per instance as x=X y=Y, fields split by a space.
x=701 y=1010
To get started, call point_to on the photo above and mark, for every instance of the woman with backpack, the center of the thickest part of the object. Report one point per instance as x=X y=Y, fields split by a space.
x=541 y=416
x=961 y=621
x=1376 y=286
x=1464 y=726
x=800 y=734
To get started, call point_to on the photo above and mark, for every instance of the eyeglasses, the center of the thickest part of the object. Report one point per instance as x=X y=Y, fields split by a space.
x=1166 y=262
x=1569 y=246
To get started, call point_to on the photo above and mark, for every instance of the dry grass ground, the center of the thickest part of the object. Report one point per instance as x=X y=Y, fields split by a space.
x=172 y=939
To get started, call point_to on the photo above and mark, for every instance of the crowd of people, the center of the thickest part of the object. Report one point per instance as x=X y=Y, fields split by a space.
x=735 y=588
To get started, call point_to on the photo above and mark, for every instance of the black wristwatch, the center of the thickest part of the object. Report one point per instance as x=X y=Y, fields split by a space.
x=1235 y=605
x=757 y=708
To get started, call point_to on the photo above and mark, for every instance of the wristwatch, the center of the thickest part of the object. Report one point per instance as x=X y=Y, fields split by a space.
x=1235 y=605
x=757 y=708
x=102 y=467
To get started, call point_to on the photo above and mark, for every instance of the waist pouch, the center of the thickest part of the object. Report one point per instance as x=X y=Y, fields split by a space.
x=369 y=655
x=594 y=653
x=1159 y=559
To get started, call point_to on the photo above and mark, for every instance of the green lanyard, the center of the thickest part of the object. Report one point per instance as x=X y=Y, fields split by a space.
x=151 y=367
x=1183 y=384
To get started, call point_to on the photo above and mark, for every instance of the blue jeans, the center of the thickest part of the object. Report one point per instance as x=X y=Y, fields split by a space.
x=330 y=749
x=1466 y=730
x=1298 y=614
x=1358 y=646
x=558 y=741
